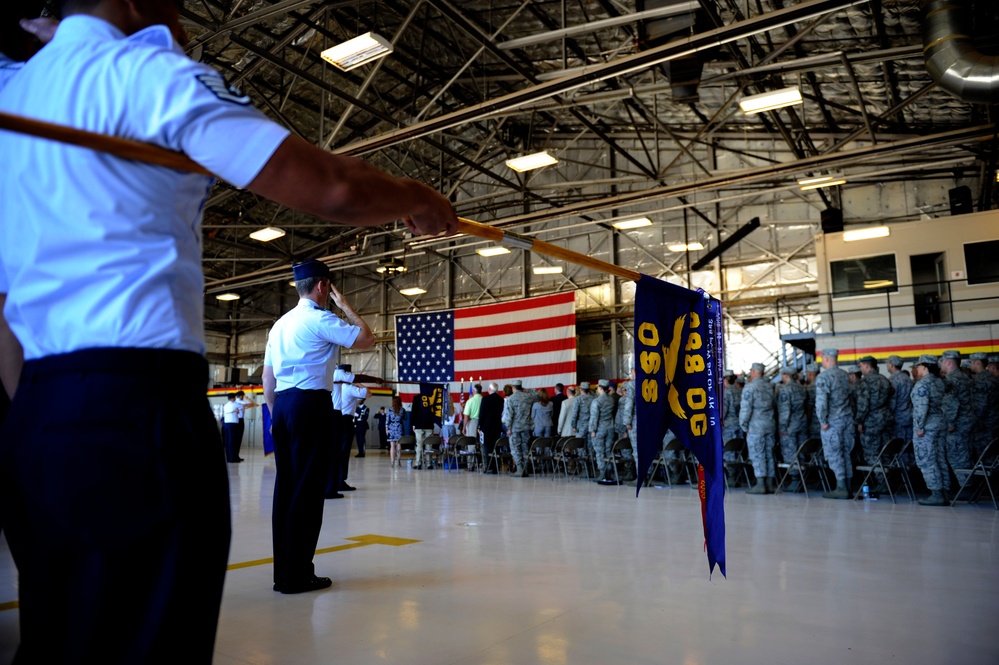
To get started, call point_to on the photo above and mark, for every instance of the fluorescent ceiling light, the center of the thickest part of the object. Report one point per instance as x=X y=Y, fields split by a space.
x=878 y=283
x=227 y=296
x=412 y=291
x=267 y=234
x=866 y=234
x=633 y=223
x=819 y=183
x=530 y=162
x=391 y=266
x=693 y=247
x=768 y=101
x=492 y=251
x=357 y=51
x=547 y=270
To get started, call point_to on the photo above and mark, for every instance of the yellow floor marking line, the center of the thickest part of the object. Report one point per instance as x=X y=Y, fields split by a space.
x=360 y=541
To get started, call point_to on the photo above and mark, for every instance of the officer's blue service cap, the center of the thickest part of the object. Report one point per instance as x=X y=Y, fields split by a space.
x=310 y=268
x=869 y=359
x=759 y=367
x=830 y=353
x=952 y=354
x=895 y=361
x=927 y=359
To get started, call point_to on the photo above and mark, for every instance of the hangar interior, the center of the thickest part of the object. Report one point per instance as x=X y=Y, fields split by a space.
x=640 y=104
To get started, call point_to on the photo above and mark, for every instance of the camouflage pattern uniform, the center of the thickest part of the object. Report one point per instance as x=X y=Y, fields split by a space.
x=756 y=418
x=814 y=428
x=518 y=423
x=985 y=408
x=927 y=417
x=874 y=393
x=582 y=421
x=731 y=403
x=625 y=415
x=832 y=408
x=900 y=405
x=959 y=417
x=601 y=428
x=791 y=418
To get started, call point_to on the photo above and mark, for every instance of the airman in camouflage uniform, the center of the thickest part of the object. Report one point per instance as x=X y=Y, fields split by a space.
x=792 y=421
x=985 y=404
x=930 y=429
x=874 y=394
x=731 y=403
x=581 y=422
x=835 y=415
x=900 y=405
x=756 y=418
x=957 y=410
x=518 y=423
x=811 y=372
x=601 y=426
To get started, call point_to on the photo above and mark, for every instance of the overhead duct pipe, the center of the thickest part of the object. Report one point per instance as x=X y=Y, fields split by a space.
x=952 y=59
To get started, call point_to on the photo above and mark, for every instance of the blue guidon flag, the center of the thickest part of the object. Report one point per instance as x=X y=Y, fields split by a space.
x=678 y=378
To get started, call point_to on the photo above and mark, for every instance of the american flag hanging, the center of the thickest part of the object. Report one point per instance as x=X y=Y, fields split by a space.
x=533 y=340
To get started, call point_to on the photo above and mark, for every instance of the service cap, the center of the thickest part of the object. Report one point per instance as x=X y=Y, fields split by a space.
x=310 y=268
x=896 y=361
x=729 y=372
x=758 y=367
x=585 y=385
x=517 y=383
x=927 y=359
x=603 y=383
x=812 y=367
x=952 y=354
x=994 y=360
x=984 y=357
x=870 y=359
x=830 y=353
x=790 y=371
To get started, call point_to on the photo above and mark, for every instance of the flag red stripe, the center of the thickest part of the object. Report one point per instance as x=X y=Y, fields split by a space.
x=515 y=349
x=516 y=305
x=521 y=326
x=567 y=367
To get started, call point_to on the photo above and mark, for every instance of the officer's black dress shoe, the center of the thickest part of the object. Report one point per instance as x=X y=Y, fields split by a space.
x=335 y=495
x=312 y=584
x=344 y=487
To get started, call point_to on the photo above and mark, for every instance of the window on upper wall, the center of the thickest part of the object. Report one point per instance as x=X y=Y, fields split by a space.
x=981 y=261
x=864 y=276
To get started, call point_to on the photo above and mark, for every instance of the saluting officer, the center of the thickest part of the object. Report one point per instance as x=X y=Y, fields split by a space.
x=299 y=361
x=601 y=426
x=835 y=416
x=756 y=418
x=899 y=404
x=873 y=417
x=930 y=430
x=957 y=410
x=985 y=402
x=792 y=421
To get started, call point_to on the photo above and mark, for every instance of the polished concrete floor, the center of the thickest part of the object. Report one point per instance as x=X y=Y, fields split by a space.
x=465 y=569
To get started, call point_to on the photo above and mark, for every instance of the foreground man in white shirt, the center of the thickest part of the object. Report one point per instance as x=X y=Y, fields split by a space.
x=117 y=511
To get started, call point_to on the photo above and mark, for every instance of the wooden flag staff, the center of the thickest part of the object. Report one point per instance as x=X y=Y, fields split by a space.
x=152 y=154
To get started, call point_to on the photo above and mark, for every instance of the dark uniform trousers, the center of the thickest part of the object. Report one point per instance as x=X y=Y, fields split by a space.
x=238 y=442
x=340 y=462
x=117 y=509
x=302 y=425
x=230 y=439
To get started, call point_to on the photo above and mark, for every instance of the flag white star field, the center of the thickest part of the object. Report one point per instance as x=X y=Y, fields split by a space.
x=533 y=340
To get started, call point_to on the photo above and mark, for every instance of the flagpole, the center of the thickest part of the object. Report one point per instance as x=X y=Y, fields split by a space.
x=159 y=156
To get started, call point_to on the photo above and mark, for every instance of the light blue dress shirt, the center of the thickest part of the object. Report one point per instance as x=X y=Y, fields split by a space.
x=302 y=347
x=98 y=251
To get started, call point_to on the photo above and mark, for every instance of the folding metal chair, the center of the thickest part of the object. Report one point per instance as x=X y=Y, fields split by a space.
x=540 y=453
x=681 y=458
x=807 y=458
x=573 y=451
x=467 y=451
x=740 y=465
x=985 y=468
x=432 y=451
x=889 y=459
x=614 y=456
x=501 y=453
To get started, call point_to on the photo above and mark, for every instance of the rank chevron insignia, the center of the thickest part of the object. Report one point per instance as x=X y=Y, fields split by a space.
x=672 y=356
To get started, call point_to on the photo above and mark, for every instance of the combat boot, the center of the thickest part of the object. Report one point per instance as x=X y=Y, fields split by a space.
x=841 y=491
x=629 y=472
x=759 y=488
x=771 y=485
x=936 y=498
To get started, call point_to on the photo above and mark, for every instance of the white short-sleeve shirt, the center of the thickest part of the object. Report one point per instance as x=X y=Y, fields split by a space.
x=98 y=251
x=302 y=347
x=232 y=412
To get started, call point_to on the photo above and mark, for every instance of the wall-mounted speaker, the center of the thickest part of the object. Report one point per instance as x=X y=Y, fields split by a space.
x=832 y=220
x=960 y=200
